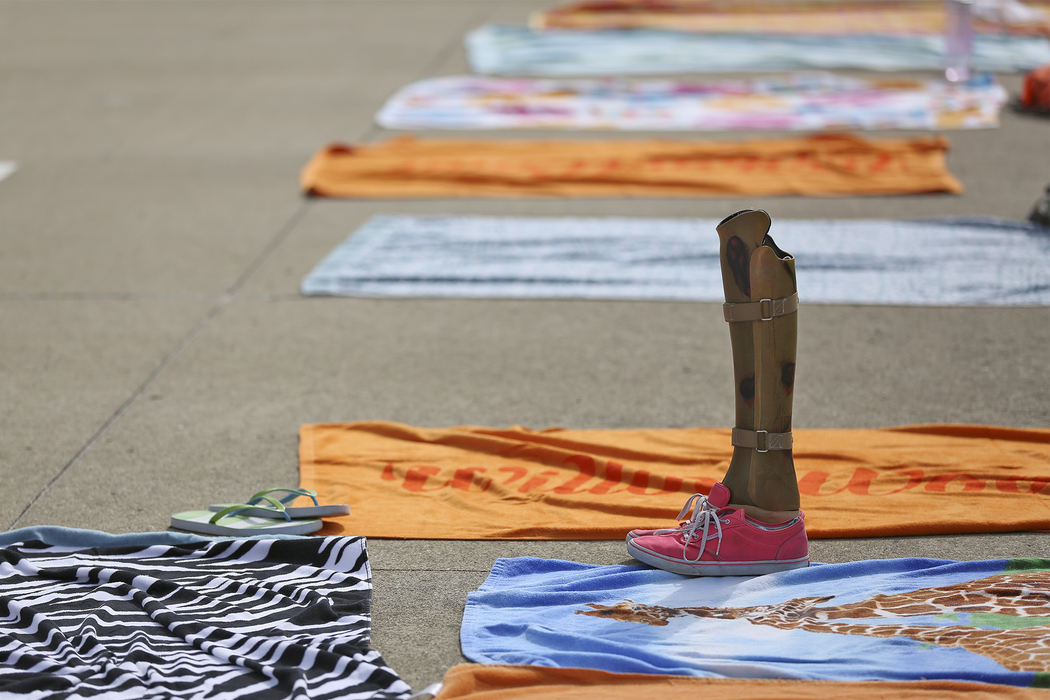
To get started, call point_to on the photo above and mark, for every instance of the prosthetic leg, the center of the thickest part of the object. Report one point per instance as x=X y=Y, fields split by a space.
x=750 y=523
x=761 y=308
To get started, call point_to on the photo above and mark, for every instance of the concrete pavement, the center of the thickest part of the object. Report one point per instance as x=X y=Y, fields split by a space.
x=154 y=346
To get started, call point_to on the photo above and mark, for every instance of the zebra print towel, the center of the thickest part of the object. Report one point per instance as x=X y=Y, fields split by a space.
x=260 y=618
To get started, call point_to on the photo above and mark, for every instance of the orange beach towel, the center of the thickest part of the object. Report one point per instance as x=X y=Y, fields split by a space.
x=555 y=484
x=824 y=164
x=786 y=17
x=483 y=682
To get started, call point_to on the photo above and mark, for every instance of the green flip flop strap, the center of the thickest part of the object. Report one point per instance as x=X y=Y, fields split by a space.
x=292 y=494
x=230 y=510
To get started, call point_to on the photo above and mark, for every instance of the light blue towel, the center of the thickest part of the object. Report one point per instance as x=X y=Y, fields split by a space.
x=502 y=49
x=861 y=261
x=829 y=622
x=80 y=538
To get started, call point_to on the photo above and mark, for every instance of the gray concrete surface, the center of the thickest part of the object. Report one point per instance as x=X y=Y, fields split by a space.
x=153 y=344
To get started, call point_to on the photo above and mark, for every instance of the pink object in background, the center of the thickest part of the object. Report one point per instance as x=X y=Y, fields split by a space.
x=958 y=40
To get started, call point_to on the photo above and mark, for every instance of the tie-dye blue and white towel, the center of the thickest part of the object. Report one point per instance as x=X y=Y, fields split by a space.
x=503 y=49
x=945 y=262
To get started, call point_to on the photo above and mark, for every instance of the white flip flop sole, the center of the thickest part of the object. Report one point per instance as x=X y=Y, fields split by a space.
x=237 y=524
x=293 y=511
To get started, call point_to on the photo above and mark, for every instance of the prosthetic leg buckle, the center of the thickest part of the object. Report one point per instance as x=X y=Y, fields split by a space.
x=764 y=309
x=762 y=440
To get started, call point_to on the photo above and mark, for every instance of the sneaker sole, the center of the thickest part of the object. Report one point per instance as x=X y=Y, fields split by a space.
x=630 y=535
x=749 y=568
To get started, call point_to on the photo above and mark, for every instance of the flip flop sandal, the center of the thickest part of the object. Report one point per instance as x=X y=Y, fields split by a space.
x=227 y=522
x=285 y=510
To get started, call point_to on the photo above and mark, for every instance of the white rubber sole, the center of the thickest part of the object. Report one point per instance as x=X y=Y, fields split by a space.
x=241 y=526
x=293 y=511
x=707 y=568
x=630 y=535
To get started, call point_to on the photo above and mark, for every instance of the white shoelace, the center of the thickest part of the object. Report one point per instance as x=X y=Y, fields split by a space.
x=703 y=514
x=708 y=516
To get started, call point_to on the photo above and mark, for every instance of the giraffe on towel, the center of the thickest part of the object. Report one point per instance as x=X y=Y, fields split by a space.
x=1008 y=617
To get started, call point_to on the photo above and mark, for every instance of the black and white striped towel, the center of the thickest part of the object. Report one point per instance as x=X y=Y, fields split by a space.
x=258 y=618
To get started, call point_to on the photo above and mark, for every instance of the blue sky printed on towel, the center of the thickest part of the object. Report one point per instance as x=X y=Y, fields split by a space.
x=897 y=619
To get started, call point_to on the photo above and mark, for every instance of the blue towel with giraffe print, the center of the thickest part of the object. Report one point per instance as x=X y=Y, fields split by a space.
x=893 y=619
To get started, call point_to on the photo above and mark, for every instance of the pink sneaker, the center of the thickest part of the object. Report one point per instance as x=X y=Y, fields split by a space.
x=721 y=541
x=696 y=503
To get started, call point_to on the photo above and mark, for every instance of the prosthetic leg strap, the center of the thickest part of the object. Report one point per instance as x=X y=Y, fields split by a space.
x=761 y=310
x=762 y=440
